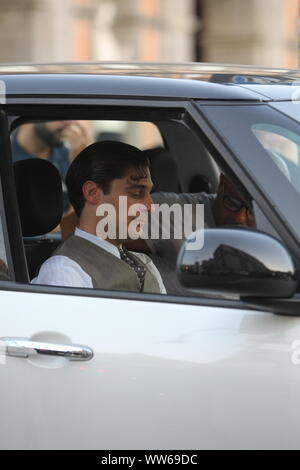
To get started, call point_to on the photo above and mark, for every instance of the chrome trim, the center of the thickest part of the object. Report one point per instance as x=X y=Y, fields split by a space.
x=22 y=347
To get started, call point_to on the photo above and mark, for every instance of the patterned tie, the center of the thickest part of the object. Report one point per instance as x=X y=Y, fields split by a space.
x=140 y=270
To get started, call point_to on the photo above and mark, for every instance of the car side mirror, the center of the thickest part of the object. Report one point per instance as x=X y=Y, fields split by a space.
x=237 y=261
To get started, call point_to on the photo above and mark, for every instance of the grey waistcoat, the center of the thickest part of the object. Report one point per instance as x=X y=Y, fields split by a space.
x=106 y=270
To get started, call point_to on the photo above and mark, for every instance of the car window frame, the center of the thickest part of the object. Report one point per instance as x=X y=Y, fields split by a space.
x=185 y=110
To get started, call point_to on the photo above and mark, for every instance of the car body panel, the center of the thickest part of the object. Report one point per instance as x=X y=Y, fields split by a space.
x=215 y=81
x=278 y=92
x=173 y=377
x=114 y=85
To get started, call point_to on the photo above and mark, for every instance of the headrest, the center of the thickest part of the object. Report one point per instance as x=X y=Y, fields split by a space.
x=163 y=169
x=199 y=184
x=39 y=193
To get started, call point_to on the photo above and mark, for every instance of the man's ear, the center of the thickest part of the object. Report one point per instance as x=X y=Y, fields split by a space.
x=92 y=193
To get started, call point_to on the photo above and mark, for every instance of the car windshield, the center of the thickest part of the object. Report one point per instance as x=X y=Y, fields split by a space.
x=266 y=138
x=283 y=146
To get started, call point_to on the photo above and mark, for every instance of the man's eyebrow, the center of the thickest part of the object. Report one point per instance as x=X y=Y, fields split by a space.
x=138 y=186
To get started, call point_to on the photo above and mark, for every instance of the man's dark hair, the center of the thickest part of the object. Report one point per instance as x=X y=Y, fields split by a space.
x=101 y=162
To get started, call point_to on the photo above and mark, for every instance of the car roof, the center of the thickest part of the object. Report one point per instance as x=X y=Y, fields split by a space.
x=161 y=80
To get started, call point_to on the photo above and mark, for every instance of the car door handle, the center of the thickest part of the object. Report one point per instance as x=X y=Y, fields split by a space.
x=22 y=347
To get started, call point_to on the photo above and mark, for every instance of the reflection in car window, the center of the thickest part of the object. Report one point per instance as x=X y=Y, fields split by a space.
x=236 y=125
x=283 y=147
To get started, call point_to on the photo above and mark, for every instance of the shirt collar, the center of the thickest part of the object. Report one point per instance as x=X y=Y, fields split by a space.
x=112 y=249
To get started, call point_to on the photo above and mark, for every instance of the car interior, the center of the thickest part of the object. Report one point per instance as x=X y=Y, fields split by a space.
x=180 y=162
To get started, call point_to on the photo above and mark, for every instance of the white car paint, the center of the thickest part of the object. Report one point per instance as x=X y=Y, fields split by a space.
x=163 y=376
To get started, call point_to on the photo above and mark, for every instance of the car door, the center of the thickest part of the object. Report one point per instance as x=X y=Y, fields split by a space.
x=163 y=375
x=166 y=372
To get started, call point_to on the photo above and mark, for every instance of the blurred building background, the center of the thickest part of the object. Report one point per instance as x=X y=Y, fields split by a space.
x=260 y=32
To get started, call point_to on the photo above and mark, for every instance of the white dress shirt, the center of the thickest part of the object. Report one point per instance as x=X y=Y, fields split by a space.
x=63 y=271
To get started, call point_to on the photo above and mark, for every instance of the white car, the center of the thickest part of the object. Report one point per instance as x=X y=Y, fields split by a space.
x=93 y=369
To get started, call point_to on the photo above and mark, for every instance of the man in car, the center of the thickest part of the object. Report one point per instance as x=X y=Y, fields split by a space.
x=57 y=141
x=228 y=207
x=93 y=256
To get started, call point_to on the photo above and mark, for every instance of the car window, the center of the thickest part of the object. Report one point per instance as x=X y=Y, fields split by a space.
x=184 y=174
x=283 y=146
x=266 y=142
x=61 y=141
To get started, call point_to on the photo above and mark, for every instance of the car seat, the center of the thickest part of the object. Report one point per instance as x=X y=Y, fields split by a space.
x=40 y=200
x=163 y=169
x=199 y=184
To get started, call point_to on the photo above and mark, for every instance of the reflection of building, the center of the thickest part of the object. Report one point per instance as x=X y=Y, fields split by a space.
x=227 y=260
x=232 y=31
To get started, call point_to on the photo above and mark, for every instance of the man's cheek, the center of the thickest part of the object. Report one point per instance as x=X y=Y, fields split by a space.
x=230 y=218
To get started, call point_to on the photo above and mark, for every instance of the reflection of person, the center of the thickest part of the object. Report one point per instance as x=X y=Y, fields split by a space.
x=99 y=175
x=57 y=141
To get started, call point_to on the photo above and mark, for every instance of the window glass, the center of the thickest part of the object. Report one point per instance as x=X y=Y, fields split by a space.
x=61 y=141
x=267 y=143
x=182 y=175
x=283 y=147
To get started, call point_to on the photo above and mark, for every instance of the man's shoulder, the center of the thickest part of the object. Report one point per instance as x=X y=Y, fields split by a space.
x=62 y=271
x=57 y=261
